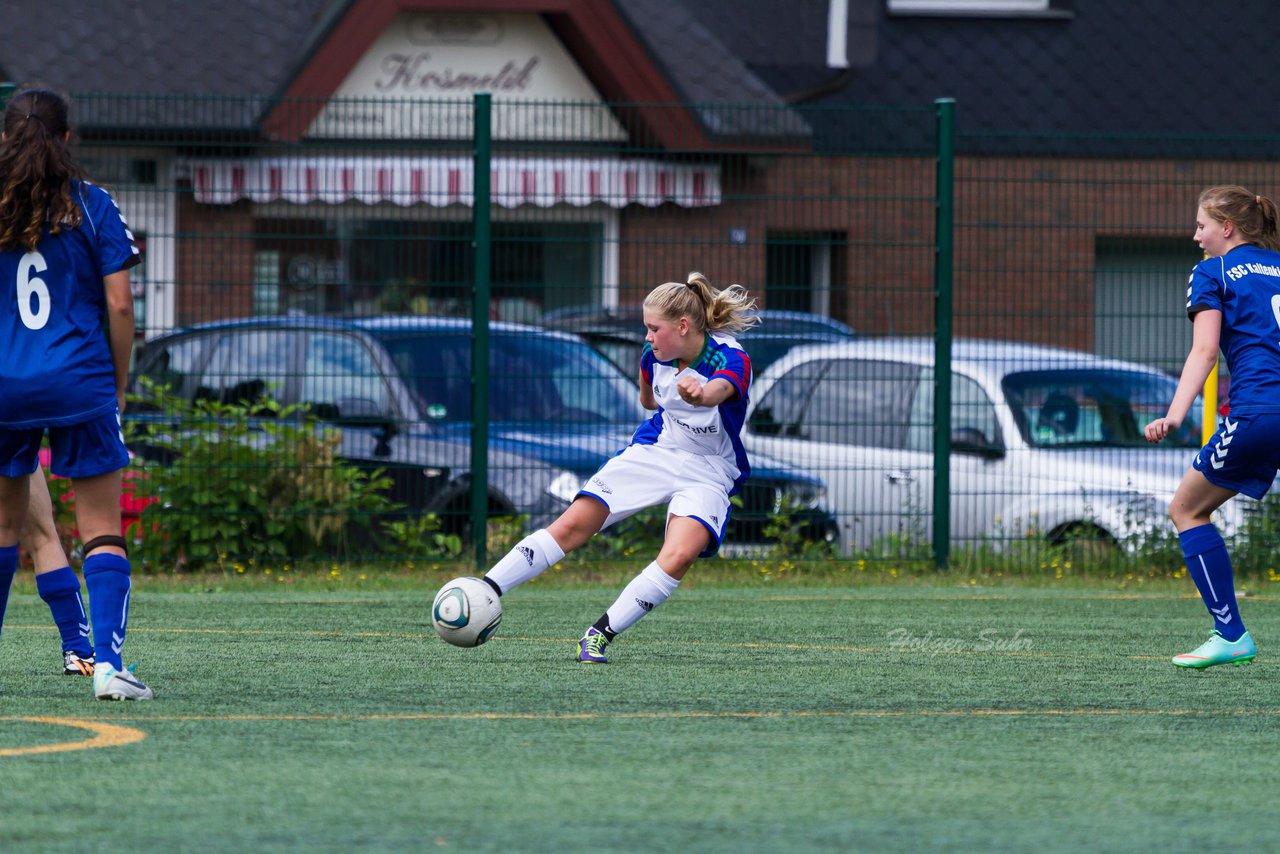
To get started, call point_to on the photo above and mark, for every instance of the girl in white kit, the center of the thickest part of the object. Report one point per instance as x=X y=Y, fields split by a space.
x=688 y=455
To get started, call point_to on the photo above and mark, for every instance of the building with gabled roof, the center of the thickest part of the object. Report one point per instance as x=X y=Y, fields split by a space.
x=271 y=152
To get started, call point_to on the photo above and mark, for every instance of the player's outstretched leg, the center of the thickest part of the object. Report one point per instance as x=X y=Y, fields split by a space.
x=529 y=559
x=60 y=589
x=645 y=592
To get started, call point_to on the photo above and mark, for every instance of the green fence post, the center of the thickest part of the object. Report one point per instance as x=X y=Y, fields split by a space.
x=944 y=223
x=480 y=247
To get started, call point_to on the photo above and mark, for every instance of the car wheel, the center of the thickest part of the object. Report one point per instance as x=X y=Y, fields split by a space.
x=455 y=509
x=1084 y=544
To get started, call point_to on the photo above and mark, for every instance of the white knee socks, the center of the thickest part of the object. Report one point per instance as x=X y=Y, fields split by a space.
x=645 y=592
x=527 y=560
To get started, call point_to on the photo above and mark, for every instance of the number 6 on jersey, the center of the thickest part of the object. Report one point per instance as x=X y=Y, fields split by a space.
x=32 y=286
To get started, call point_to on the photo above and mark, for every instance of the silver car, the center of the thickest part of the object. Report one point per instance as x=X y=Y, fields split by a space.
x=1046 y=443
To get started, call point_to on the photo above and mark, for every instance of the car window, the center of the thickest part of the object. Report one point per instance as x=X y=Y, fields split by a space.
x=623 y=352
x=171 y=363
x=764 y=350
x=533 y=378
x=1094 y=407
x=551 y=379
x=437 y=367
x=862 y=403
x=779 y=412
x=972 y=414
x=340 y=378
x=247 y=365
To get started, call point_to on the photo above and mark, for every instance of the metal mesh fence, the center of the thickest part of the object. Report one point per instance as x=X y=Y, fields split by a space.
x=321 y=255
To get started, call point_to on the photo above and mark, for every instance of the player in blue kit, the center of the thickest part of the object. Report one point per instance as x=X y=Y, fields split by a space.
x=65 y=253
x=1233 y=300
x=688 y=455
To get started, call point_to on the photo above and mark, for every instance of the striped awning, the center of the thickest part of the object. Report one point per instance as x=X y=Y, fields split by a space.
x=443 y=181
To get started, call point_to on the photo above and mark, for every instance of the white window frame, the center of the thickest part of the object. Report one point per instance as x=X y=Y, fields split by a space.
x=991 y=8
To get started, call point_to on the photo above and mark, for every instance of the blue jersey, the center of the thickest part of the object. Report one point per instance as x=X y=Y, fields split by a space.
x=1244 y=285
x=712 y=431
x=57 y=367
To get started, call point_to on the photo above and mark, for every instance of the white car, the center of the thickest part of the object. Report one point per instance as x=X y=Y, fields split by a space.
x=1045 y=442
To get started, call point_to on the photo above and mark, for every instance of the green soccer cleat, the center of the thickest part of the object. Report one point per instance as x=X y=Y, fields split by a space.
x=1218 y=650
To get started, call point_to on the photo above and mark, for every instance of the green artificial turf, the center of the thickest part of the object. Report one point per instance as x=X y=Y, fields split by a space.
x=735 y=718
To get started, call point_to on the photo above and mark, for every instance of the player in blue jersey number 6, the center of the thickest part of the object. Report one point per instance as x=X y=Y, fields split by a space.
x=688 y=456
x=65 y=253
x=1233 y=300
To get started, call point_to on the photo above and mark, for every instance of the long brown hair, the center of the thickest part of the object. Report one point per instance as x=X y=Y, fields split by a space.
x=36 y=170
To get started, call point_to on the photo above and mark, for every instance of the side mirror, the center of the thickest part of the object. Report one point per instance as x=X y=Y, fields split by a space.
x=970 y=440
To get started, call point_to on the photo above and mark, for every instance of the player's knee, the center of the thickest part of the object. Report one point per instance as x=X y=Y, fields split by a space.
x=676 y=557
x=577 y=525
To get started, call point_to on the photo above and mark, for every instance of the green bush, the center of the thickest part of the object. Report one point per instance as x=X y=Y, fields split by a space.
x=237 y=482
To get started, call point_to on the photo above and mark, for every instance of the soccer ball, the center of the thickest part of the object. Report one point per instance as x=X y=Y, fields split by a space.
x=466 y=612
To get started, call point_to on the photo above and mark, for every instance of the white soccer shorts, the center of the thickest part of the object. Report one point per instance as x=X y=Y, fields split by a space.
x=644 y=476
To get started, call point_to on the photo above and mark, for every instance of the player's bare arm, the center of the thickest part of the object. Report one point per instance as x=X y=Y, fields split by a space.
x=1207 y=330
x=120 y=327
x=711 y=393
x=647 y=400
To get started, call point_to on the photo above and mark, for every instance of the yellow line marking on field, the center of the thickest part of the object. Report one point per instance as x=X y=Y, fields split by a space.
x=591 y=716
x=105 y=735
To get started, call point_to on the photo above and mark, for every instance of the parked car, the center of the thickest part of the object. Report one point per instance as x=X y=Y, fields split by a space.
x=350 y=381
x=1044 y=441
x=401 y=387
x=619 y=333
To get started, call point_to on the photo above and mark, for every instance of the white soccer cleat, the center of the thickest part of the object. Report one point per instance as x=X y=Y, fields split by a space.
x=112 y=684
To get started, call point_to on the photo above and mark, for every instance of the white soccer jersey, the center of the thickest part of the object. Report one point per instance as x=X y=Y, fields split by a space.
x=710 y=431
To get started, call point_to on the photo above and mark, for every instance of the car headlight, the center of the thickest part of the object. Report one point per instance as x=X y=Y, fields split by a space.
x=803 y=496
x=565 y=486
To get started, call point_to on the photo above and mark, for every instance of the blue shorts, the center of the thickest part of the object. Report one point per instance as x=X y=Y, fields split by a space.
x=1243 y=455
x=79 y=450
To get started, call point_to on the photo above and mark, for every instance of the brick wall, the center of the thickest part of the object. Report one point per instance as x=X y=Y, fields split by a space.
x=214 y=261
x=1025 y=237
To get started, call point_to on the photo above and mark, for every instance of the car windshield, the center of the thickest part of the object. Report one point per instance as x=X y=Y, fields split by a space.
x=533 y=378
x=1079 y=408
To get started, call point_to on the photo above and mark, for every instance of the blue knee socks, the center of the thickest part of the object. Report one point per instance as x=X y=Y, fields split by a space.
x=107 y=577
x=8 y=569
x=1210 y=568
x=60 y=589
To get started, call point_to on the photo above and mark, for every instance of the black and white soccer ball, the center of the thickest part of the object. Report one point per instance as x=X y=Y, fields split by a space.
x=466 y=612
